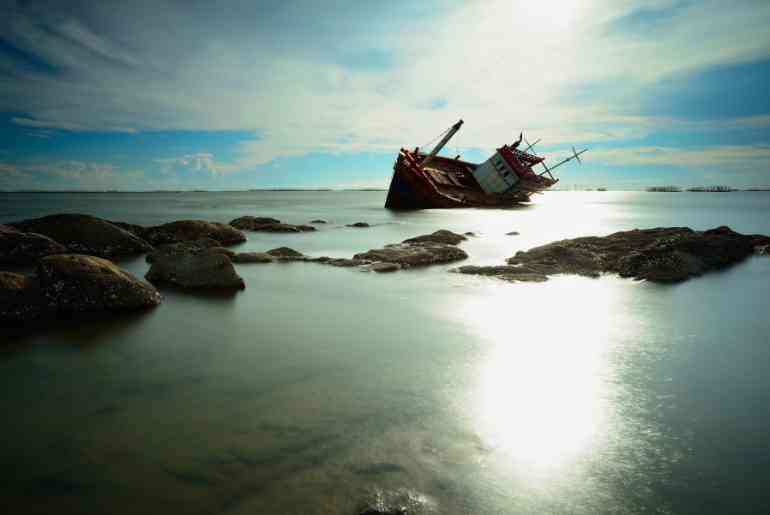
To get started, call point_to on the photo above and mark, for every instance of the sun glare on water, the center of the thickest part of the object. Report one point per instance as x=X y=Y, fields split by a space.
x=541 y=395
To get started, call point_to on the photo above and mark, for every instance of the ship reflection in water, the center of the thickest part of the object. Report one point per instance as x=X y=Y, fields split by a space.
x=542 y=399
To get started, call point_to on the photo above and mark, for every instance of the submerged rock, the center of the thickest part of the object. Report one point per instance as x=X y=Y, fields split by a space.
x=318 y=221
x=24 y=247
x=384 y=267
x=185 y=230
x=68 y=285
x=205 y=269
x=85 y=234
x=360 y=225
x=658 y=255
x=440 y=236
x=252 y=257
x=507 y=273
x=285 y=252
x=251 y=223
x=512 y=233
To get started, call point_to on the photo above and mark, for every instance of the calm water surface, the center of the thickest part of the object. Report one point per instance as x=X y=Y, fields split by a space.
x=318 y=389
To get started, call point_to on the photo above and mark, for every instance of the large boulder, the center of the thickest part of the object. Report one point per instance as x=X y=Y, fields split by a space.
x=20 y=298
x=253 y=223
x=207 y=269
x=663 y=254
x=85 y=234
x=185 y=230
x=72 y=283
x=69 y=285
x=25 y=247
x=285 y=252
x=252 y=257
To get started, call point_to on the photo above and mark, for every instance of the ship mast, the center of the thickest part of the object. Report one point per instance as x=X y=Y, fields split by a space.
x=451 y=132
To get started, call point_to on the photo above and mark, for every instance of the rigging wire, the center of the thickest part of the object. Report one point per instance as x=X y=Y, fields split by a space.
x=437 y=137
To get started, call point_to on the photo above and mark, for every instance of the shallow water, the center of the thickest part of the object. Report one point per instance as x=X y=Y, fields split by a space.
x=319 y=389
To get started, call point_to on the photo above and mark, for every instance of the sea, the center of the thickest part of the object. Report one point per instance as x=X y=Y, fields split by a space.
x=323 y=390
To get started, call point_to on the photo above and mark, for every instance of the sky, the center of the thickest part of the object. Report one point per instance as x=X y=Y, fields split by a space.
x=162 y=94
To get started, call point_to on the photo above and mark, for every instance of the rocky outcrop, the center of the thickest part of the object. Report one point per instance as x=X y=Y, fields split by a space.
x=136 y=230
x=440 y=236
x=318 y=221
x=252 y=223
x=658 y=255
x=186 y=230
x=428 y=249
x=360 y=225
x=25 y=247
x=512 y=233
x=70 y=285
x=85 y=234
x=205 y=269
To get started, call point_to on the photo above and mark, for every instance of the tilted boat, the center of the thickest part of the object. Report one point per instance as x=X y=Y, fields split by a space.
x=507 y=178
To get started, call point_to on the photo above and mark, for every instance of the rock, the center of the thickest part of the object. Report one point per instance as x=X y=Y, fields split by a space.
x=252 y=223
x=285 y=252
x=247 y=223
x=359 y=225
x=204 y=269
x=20 y=298
x=85 y=234
x=440 y=236
x=252 y=257
x=762 y=250
x=512 y=233
x=410 y=255
x=73 y=283
x=659 y=255
x=469 y=233
x=384 y=267
x=24 y=247
x=183 y=247
x=318 y=221
x=185 y=230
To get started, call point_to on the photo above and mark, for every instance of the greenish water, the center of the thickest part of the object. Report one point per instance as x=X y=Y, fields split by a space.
x=318 y=389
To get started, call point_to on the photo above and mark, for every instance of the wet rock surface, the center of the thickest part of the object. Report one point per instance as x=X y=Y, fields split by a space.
x=71 y=285
x=85 y=234
x=181 y=248
x=262 y=224
x=663 y=255
x=25 y=247
x=206 y=269
x=186 y=230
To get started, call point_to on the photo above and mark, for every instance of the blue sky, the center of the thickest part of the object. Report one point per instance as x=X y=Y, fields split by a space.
x=244 y=94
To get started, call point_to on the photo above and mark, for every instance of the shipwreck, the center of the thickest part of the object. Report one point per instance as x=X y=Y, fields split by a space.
x=427 y=180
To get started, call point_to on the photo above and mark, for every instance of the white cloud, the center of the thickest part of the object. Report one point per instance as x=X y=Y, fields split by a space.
x=727 y=157
x=500 y=65
x=200 y=162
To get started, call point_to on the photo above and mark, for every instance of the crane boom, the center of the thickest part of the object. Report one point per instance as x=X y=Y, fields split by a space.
x=452 y=131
